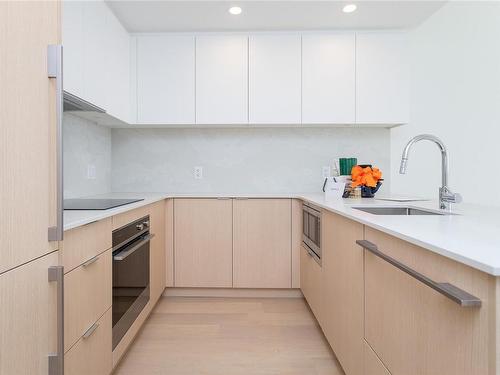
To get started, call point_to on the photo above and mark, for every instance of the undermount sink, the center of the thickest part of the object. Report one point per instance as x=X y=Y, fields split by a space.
x=400 y=210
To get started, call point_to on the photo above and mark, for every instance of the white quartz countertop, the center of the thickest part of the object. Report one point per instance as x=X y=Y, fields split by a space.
x=469 y=237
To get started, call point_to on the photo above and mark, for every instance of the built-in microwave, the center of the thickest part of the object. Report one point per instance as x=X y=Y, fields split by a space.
x=311 y=230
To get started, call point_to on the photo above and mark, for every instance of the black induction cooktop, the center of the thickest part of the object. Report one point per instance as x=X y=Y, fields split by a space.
x=96 y=204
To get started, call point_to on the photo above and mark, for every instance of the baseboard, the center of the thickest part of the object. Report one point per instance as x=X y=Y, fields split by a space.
x=233 y=293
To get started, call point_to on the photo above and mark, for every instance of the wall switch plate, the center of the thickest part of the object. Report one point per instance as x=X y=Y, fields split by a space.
x=198 y=173
x=91 y=172
x=326 y=171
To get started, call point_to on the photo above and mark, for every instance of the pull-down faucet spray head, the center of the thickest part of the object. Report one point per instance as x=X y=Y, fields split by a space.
x=402 y=167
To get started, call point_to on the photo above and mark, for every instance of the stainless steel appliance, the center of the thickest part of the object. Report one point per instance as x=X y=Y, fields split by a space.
x=311 y=230
x=130 y=274
x=74 y=103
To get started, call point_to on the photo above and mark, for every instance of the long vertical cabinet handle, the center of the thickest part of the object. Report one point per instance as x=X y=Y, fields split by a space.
x=55 y=71
x=56 y=360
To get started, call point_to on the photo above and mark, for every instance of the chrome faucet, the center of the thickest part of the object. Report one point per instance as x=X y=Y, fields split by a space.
x=446 y=196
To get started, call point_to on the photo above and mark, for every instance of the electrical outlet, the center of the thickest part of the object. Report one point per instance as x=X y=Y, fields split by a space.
x=91 y=172
x=326 y=171
x=198 y=173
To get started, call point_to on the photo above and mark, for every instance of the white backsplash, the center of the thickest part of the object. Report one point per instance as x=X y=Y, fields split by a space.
x=85 y=144
x=259 y=160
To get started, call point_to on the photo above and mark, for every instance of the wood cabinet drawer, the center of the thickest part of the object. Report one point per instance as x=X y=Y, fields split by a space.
x=92 y=354
x=311 y=283
x=87 y=295
x=414 y=329
x=372 y=364
x=85 y=242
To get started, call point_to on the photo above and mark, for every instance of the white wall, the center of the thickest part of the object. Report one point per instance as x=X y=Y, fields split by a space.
x=85 y=143
x=456 y=96
x=238 y=160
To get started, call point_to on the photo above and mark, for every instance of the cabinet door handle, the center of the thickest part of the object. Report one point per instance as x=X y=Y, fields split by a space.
x=55 y=71
x=90 y=331
x=56 y=360
x=90 y=261
x=448 y=290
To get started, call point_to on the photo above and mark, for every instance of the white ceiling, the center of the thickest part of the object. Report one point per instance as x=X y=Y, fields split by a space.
x=187 y=15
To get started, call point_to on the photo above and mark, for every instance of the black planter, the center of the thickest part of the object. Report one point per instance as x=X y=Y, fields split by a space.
x=369 y=192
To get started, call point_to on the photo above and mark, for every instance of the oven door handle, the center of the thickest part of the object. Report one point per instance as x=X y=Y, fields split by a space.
x=125 y=253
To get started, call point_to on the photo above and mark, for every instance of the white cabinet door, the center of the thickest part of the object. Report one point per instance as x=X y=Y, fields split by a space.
x=274 y=79
x=117 y=68
x=328 y=79
x=94 y=53
x=166 y=79
x=96 y=56
x=72 y=37
x=222 y=79
x=382 y=78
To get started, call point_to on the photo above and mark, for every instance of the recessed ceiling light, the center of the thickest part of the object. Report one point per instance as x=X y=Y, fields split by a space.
x=235 y=10
x=349 y=8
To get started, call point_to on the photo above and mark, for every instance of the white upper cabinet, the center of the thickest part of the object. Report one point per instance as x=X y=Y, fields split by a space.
x=234 y=79
x=222 y=79
x=382 y=78
x=72 y=26
x=95 y=88
x=274 y=79
x=328 y=79
x=166 y=79
x=117 y=69
x=96 y=56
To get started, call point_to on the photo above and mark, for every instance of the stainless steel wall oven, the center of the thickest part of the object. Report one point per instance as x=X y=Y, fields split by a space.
x=130 y=275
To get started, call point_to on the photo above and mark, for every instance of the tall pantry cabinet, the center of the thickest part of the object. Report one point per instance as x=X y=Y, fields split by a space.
x=28 y=183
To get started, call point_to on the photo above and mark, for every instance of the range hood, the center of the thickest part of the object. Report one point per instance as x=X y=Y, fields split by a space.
x=73 y=103
x=81 y=108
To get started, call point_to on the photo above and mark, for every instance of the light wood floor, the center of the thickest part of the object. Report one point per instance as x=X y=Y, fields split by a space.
x=230 y=336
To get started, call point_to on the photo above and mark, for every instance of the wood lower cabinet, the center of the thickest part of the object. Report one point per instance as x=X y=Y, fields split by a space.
x=169 y=243
x=311 y=283
x=27 y=317
x=87 y=295
x=91 y=355
x=415 y=330
x=157 y=250
x=372 y=364
x=296 y=241
x=84 y=243
x=343 y=289
x=262 y=246
x=203 y=249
